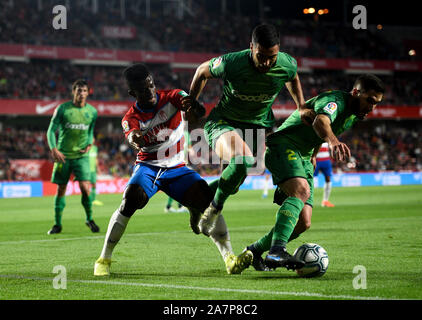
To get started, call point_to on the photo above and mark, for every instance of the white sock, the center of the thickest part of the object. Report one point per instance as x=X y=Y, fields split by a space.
x=265 y=192
x=221 y=237
x=116 y=228
x=327 y=190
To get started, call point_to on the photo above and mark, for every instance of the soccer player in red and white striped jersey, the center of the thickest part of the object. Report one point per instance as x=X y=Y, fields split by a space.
x=154 y=127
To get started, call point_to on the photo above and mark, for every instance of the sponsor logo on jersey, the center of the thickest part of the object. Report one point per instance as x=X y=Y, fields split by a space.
x=77 y=126
x=259 y=98
x=331 y=107
x=125 y=126
x=216 y=63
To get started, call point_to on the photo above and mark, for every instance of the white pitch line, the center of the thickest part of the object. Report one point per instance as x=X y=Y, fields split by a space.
x=171 y=286
x=128 y=234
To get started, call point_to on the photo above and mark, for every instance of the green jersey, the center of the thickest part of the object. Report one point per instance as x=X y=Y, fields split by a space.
x=248 y=94
x=76 y=129
x=93 y=154
x=333 y=104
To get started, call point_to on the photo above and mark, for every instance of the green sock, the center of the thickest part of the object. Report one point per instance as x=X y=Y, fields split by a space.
x=286 y=220
x=59 y=204
x=169 y=202
x=87 y=204
x=93 y=194
x=214 y=185
x=232 y=178
x=264 y=244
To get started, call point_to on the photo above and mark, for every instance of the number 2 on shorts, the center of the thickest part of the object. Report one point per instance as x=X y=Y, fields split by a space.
x=291 y=155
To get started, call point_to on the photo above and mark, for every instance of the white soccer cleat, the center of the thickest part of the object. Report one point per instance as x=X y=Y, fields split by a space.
x=207 y=222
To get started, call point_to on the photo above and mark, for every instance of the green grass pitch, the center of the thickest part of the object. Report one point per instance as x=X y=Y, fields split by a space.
x=159 y=258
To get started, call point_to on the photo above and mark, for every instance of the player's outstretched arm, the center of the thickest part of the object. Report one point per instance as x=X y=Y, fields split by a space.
x=322 y=126
x=295 y=88
x=194 y=110
x=202 y=74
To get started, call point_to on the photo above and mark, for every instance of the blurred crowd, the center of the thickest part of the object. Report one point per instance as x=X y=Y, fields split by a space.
x=203 y=28
x=377 y=146
x=43 y=79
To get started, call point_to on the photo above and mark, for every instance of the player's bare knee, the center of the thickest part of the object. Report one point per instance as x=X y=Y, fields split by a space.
x=134 y=198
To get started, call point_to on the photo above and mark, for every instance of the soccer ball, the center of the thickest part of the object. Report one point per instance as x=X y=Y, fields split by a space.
x=316 y=260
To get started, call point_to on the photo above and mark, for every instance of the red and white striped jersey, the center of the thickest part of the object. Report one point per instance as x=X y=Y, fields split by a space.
x=323 y=153
x=163 y=129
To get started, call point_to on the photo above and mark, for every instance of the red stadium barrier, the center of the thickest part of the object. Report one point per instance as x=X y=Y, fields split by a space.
x=119 y=108
x=189 y=58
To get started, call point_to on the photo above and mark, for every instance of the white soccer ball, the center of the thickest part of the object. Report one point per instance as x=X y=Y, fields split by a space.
x=316 y=260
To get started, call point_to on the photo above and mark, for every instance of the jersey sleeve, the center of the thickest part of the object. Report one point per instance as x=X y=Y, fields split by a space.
x=290 y=66
x=327 y=106
x=175 y=97
x=218 y=66
x=130 y=123
x=53 y=126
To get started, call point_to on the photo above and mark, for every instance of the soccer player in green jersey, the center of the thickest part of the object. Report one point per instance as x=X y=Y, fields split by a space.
x=93 y=166
x=252 y=80
x=291 y=158
x=75 y=121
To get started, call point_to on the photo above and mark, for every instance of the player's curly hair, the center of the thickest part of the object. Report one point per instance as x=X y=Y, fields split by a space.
x=266 y=35
x=370 y=82
x=135 y=73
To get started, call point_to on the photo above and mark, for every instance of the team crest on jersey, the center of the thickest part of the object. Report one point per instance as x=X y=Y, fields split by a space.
x=125 y=126
x=331 y=107
x=217 y=62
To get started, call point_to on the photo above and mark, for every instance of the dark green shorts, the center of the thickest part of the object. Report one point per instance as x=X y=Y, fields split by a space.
x=79 y=167
x=216 y=125
x=284 y=161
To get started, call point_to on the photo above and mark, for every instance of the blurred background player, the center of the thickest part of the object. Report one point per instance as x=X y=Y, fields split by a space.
x=323 y=164
x=169 y=208
x=153 y=126
x=75 y=121
x=252 y=80
x=93 y=165
x=266 y=186
x=290 y=157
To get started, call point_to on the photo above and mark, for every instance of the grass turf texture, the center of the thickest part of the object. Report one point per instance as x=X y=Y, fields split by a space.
x=160 y=258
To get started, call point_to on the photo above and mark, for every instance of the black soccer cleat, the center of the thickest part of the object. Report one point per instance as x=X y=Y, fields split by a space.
x=91 y=224
x=55 y=229
x=257 y=262
x=279 y=257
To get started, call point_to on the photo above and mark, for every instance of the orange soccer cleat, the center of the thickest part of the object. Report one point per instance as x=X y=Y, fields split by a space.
x=327 y=203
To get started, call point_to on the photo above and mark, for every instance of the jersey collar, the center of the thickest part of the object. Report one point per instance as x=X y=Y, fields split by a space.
x=137 y=106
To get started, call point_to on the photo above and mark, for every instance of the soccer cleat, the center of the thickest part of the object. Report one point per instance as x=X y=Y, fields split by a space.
x=182 y=209
x=279 y=257
x=327 y=203
x=195 y=215
x=236 y=264
x=169 y=210
x=55 y=229
x=257 y=261
x=102 y=267
x=208 y=219
x=91 y=224
x=97 y=203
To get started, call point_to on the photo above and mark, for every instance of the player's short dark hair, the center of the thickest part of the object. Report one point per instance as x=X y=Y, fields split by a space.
x=136 y=73
x=79 y=83
x=370 y=82
x=266 y=35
